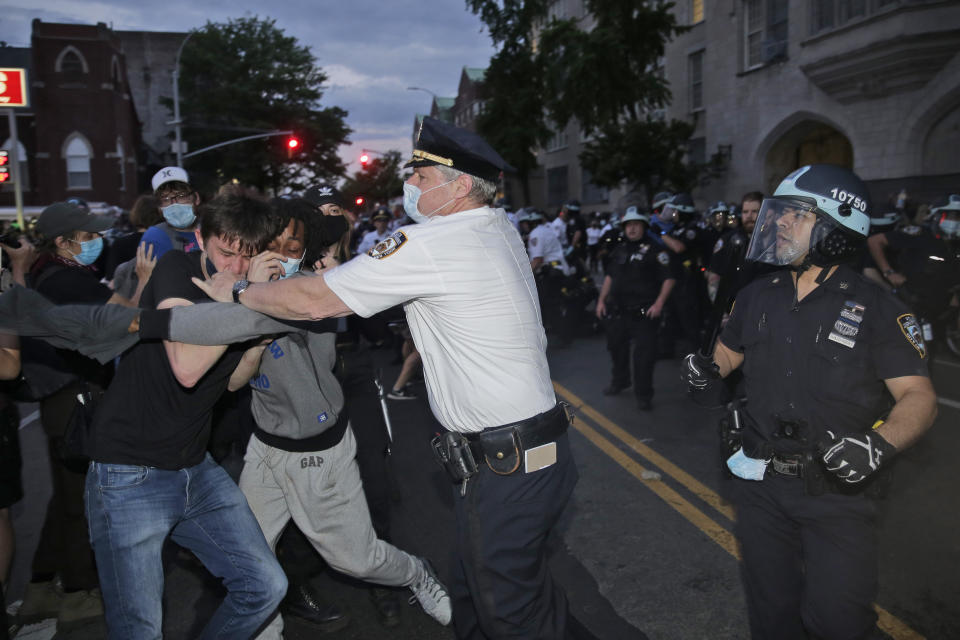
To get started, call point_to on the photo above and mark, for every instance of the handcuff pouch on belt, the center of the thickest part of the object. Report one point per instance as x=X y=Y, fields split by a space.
x=453 y=452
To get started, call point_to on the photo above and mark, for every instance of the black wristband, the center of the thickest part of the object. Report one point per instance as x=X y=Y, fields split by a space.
x=155 y=324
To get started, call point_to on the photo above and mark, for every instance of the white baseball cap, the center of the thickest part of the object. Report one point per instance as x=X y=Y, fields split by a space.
x=169 y=174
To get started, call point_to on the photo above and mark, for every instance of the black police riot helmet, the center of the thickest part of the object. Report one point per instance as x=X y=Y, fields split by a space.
x=573 y=206
x=679 y=208
x=833 y=198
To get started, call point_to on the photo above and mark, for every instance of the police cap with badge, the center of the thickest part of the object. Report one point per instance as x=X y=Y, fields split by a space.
x=439 y=143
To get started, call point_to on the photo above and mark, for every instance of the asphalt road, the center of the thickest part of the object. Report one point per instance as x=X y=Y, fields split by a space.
x=644 y=548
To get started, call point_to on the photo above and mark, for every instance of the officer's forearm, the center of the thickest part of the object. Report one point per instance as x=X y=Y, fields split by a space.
x=726 y=358
x=605 y=288
x=673 y=244
x=307 y=298
x=876 y=244
x=913 y=413
x=665 y=290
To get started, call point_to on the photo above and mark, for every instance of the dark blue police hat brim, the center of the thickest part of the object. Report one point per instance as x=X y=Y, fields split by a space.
x=439 y=143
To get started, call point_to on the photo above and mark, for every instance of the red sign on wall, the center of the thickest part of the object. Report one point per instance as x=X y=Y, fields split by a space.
x=13 y=87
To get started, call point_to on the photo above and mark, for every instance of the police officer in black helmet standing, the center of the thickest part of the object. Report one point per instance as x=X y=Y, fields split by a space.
x=823 y=350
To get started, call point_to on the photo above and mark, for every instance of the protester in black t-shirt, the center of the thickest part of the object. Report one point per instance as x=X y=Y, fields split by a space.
x=152 y=478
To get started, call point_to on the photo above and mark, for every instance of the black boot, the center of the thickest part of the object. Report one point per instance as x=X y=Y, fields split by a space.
x=302 y=602
x=387 y=603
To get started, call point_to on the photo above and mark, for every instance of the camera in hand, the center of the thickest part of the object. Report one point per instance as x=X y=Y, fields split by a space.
x=11 y=239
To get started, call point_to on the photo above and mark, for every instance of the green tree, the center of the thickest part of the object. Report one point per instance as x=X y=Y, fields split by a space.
x=377 y=182
x=513 y=119
x=606 y=78
x=243 y=77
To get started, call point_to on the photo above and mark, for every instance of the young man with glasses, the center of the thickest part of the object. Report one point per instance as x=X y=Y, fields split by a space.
x=178 y=202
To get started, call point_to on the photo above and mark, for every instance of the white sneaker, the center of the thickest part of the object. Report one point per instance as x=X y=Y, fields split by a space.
x=432 y=595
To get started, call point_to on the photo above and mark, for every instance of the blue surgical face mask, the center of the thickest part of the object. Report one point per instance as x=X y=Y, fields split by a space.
x=89 y=251
x=291 y=266
x=411 y=196
x=747 y=468
x=179 y=216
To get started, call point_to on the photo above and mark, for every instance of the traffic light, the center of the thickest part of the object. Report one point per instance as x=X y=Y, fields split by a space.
x=4 y=157
x=4 y=172
x=359 y=201
x=293 y=146
x=364 y=160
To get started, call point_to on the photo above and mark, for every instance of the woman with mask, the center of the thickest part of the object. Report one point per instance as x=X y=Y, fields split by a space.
x=69 y=244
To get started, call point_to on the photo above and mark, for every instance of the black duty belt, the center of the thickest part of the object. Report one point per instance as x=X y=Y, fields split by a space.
x=502 y=447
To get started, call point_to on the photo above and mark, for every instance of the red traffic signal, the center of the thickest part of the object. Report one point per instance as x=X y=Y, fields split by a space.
x=4 y=175
x=4 y=157
x=293 y=146
x=360 y=201
x=364 y=160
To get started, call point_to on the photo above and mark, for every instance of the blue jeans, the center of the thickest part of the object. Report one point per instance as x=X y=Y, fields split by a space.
x=132 y=509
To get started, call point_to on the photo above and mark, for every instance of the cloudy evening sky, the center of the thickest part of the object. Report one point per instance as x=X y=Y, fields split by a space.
x=372 y=50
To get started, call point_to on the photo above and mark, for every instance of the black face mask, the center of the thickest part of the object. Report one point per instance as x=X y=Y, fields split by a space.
x=332 y=229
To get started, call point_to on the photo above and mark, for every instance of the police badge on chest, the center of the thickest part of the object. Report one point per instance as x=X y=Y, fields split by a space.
x=847 y=326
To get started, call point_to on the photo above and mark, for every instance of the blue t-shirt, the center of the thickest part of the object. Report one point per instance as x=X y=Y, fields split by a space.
x=159 y=237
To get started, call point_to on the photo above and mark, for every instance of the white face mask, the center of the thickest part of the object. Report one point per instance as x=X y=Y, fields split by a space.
x=411 y=196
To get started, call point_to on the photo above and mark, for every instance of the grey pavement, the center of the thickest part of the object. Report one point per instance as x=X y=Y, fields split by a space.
x=631 y=564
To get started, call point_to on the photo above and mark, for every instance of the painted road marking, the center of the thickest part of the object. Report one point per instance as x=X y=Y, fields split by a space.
x=693 y=485
x=890 y=624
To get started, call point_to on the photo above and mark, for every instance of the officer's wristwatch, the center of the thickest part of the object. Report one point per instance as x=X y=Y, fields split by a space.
x=239 y=287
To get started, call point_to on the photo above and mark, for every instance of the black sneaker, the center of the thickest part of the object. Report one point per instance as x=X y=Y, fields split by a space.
x=402 y=394
x=614 y=389
x=302 y=602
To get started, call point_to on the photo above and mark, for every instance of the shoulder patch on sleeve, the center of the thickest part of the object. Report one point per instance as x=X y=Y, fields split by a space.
x=388 y=247
x=663 y=258
x=912 y=332
x=691 y=234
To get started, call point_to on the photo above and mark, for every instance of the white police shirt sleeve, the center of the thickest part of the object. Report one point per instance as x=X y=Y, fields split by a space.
x=394 y=271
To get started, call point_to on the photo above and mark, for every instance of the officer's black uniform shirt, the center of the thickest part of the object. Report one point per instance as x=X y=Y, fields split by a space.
x=728 y=262
x=690 y=235
x=146 y=417
x=819 y=362
x=637 y=270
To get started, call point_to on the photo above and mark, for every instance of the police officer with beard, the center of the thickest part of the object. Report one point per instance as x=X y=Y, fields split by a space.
x=638 y=282
x=823 y=350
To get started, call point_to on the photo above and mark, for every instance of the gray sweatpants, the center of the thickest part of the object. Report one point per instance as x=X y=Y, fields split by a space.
x=321 y=491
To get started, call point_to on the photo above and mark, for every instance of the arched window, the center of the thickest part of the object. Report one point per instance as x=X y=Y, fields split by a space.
x=77 y=153
x=121 y=159
x=71 y=61
x=21 y=160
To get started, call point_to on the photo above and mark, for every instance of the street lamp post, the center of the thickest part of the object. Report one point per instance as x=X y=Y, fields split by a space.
x=176 y=102
x=424 y=90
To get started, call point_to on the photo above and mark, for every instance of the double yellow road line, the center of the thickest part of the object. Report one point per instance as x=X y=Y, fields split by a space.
x=717 y=532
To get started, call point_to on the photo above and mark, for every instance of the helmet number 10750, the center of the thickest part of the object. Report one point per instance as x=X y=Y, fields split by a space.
x=854 y=201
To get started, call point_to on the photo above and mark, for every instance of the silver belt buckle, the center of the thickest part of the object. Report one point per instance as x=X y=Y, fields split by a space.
x=784 y=467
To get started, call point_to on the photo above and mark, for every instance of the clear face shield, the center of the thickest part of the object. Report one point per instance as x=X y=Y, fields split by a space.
x=670 y=214
x=786 y=228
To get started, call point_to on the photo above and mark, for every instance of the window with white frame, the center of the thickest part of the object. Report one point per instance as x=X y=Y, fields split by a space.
x=71 y=61
x=764 y=32
x=77 y=154
x=558 y=140
x=695 y=72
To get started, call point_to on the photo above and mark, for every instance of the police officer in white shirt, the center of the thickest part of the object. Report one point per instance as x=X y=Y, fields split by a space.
x=381 y=231
x=468 y=291
x=543 y=246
